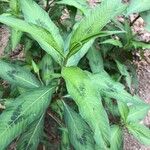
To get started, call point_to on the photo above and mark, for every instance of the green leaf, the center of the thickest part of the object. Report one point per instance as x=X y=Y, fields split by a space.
x=15 y=38
x=4 y=6
x=137 y=112
x=140 y=132
x=110 y=107
x=77 y=55
x=58 y=107
x=27 y=44
x=18 y=75
x=146 y=16
x=21 y=113
x=95 y=60
x=80 y=134
x=14 y=6
x=123 y=70
x=65 y=143
x=94 y=21
x=41 y=35
x=83 y=92
x=116 y=138
x=80 y=4
x=139 y=44
x=112 y=89
x=123 y=110
x=15 y=34
x=47 y=68
x=31 y=137
x=35 y=67
x=112 y=42
x=74 y=59
x=136 y=6
x=33 y=13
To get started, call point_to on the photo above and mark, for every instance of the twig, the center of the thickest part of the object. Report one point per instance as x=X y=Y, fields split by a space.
x=135 y=19
x=55 y=118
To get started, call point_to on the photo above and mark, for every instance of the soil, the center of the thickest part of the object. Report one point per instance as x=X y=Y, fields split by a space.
x=4 y=37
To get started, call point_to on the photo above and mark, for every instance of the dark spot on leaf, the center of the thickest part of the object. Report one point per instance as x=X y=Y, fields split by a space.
x=12 y=73
x=111 y=88
x=82 y=139
x=15 y=118
x=82 y=90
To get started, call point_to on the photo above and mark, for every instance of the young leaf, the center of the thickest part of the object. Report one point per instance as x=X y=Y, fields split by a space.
x=47 y=68
x=35 y=67
x=21 y=112
x=18 y=75
x=41 y=35
x=116 y=138
x=139 y=44
x=80 y=134
x=15 y=38
x=136 y=6
x=83 y=92
x=123 y=70
x=95 y=20
x=140 y=132
x=33 y=13
x=137 y=112
x=123 y=110
x=95 y=60
x=74 y=59
x=31 y=137
x=15 y=34
x=113 y=42
x=80 y=4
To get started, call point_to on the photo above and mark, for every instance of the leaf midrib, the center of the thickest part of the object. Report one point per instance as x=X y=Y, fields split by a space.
x=1 y=135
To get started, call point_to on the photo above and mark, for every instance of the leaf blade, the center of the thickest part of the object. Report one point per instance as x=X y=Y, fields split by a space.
x=136 y=6
x=92 y=111
x=22 y=112
x=116 y=138
x=41 y=35
x=90 y=25
x=140 y=132
x=33 y=13
x=18 y=75
x=79 y=133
